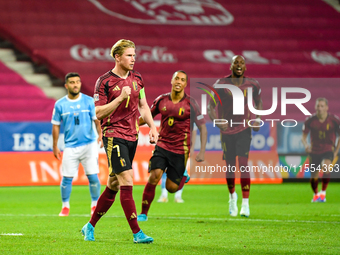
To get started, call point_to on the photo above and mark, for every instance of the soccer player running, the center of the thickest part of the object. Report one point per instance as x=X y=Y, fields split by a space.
x=120 y=99
x=173 y=146
x=236 y=134
x=76 y=112
x=178 y=195
x=323 y=128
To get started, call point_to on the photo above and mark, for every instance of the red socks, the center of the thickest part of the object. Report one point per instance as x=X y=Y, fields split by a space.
x=314 y=183
x=129 y=207
x=325 y=180
x=104 y=203
x=148 y=196
x=181 y=184
x=245 y=177
x=230 y=176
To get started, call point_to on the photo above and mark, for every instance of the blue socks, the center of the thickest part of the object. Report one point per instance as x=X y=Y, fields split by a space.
x=94 y=185
x=66 y=188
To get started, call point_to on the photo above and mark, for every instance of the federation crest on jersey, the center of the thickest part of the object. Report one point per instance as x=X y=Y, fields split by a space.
x=96 y=97
x=181 y=111
x=135 y=85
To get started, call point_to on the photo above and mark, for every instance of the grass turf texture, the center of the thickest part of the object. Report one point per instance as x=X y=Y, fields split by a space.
x=282 y=221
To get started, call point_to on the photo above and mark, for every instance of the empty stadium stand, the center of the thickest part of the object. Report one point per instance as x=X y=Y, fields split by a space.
x=21 y=101
x=287 y=39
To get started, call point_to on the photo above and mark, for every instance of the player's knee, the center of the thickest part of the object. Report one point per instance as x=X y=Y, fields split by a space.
x=171 y=188
x=113 y=184
x=155 y=176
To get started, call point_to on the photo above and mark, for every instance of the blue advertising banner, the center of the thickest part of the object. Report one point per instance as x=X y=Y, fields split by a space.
x=27 y=136
x=289 y=139
x=263 y=140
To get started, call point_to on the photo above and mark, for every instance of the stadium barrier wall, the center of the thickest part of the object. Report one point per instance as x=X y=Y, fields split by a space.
x=26 y=158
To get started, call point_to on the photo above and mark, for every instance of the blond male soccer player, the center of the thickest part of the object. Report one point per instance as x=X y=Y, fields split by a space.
x=76 y=112
x=173 y=146
x=120 y=100
x=236 y=139
x=323 y=128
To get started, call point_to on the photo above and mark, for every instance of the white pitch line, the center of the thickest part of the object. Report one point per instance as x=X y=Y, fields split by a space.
x=11 y=234
x=182 y=218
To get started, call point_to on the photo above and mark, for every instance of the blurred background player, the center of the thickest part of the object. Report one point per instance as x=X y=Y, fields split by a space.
x=236 y=138
x=323 y=128
x=178 y=194
x=120 y=99
x=76 y=112
x=173 y=146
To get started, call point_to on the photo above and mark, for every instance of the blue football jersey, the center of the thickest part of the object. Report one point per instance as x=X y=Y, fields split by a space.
x=77 y=118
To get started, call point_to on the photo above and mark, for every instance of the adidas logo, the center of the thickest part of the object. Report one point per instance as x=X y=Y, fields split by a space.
x=245 y=187
x=133 y=216
x=145 y=202
x=116 y=88
x=164 y=108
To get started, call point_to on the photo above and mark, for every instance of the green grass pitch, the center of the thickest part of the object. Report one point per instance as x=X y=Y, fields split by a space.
x=282 y=221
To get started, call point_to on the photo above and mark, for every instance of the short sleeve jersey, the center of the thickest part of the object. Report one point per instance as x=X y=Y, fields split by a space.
x=237 y=123
x=174 y=133
x=123 y=121
x=322 y=135
x=77 y=117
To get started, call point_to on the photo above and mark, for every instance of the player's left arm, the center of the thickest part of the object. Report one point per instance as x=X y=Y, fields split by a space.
x=203 y=137
x=145 y=113
x=200 y=123
x=55 y=136
x=99 y=131
x=337 y=148
x=258 y=106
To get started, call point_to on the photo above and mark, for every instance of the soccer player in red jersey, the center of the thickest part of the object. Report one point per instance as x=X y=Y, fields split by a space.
x=236 y=134
x=173 y=146
x=323 y=128
x=120 y=99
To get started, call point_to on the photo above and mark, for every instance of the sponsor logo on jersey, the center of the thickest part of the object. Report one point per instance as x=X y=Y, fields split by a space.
x=116 y=88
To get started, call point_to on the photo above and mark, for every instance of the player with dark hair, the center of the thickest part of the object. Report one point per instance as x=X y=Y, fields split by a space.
x=120 y=99
x=236 y=133
x=173 y=146
x=323 y=128
x=76 y=112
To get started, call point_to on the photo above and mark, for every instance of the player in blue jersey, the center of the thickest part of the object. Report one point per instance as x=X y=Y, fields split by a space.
x=76 y=112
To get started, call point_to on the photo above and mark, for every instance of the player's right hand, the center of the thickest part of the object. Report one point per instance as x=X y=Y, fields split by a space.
x=223 y=127
x=308 y=149
x=126 y=91
x=153 y=136
x=57 y=153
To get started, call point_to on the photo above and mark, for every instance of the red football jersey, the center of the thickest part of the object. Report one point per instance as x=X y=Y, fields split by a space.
x=322 y=135
x=123 y=121
x=174 y=133
x=237 y=123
